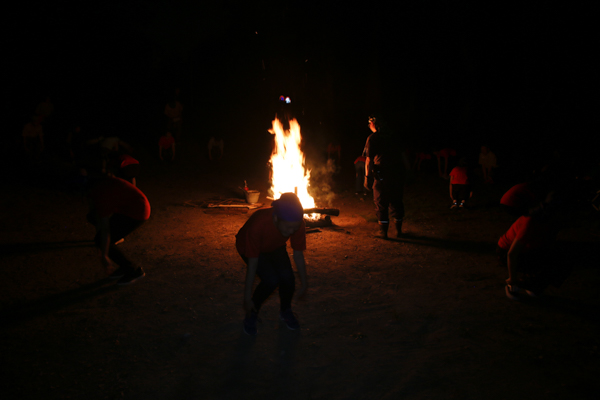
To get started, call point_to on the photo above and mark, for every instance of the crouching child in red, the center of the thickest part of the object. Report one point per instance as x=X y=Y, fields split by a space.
x=528 y=250
x=262 y=244
x=117 y=208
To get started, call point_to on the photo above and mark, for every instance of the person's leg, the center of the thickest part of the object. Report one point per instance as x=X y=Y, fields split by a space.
x=540 y=270
x=455 y=195
x=381 y=198
x=285 y=274
x=397 y=205
x=269 y=273
x=120 y=227
x=462 y=194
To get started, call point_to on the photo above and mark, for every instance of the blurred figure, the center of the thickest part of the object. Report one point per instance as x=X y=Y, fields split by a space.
x=117 y=208
x=33 y=138
x=44 y=110
x=419 y=159
x=109 y=152
x=487 y=160
x=213 y=146
x=334 y=151
x=359 y=167
x=460 y=188
x=166 y=143
x=445 y=154
x=174 y=113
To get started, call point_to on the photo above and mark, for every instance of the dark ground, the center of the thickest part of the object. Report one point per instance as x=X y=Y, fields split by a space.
x=420 y=317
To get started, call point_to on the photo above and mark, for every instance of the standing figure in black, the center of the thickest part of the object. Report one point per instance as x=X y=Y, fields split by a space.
x=385 y=173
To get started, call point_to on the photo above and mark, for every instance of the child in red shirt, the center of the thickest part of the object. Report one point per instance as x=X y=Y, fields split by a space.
x=460 y=188
x=527 y=250
x=117 y=208
x=262 y=244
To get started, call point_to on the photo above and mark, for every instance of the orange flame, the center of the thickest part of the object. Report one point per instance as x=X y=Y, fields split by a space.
x=287 y=163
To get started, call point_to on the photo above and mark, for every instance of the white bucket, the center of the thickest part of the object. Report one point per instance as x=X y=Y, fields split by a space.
x=252 y=196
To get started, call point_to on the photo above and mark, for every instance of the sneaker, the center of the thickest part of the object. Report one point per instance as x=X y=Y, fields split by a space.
x=250 y=324
x=514 y=292
x=120 y=272
x=131 y=277
x=290 y=319
x=511 y=293
x=398 y=224
x=453 y=206
x=462 y=205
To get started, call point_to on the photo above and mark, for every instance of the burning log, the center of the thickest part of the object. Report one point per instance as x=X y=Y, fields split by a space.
x=327 y=211
x=322 y=221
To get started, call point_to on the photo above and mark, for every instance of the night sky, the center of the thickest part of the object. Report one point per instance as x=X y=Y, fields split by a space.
x=443 y=73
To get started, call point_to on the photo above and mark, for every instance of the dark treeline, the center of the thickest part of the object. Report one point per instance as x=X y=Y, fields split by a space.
x=444 y=74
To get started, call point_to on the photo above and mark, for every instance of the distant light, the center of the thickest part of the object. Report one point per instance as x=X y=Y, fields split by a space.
x=281 y=98
x=287 y=100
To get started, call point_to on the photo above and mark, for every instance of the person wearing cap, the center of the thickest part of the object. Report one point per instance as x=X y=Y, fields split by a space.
x=262 y=244
x=385 y=172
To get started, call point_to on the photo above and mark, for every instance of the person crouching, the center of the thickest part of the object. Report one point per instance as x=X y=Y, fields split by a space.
x=117 y=208
x=262 y=244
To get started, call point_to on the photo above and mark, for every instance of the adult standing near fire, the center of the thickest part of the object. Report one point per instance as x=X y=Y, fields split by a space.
x=262 y=244
x=385 y=173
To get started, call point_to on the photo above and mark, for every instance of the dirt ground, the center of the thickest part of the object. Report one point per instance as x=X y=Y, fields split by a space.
x=422 y=317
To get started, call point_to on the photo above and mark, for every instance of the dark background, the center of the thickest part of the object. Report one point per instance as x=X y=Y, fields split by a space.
x=457 y=74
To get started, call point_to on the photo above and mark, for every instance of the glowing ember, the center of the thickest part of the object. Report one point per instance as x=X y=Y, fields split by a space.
x=287 y=162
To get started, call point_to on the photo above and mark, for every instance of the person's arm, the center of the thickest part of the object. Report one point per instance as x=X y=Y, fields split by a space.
x=250 y=274
x=516 y=248
x=451 y=178
x=301 y=267
x=367 y=176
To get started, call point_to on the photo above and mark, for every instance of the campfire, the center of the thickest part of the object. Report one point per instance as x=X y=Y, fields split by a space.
x=290 y=175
